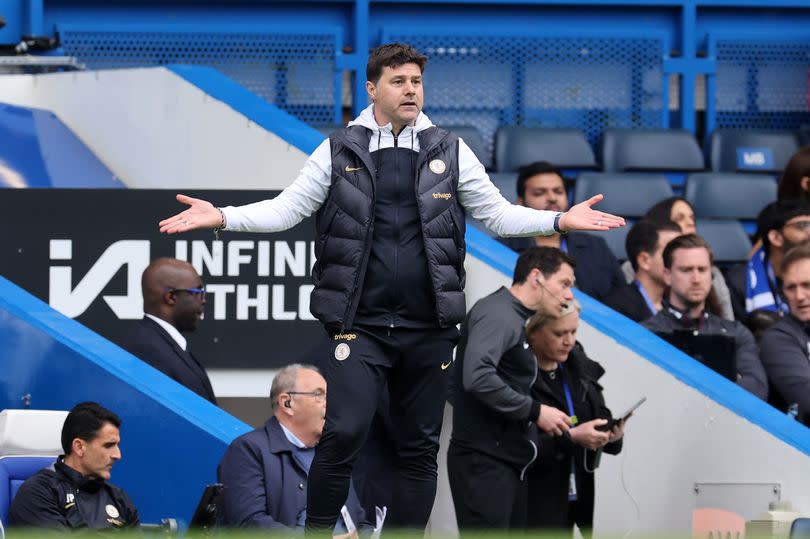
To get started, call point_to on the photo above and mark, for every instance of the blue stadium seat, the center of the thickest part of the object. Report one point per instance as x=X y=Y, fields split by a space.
x=474 y=140
x=516 y=146
x=626 y=194
x=507 y=183
x=661 y=150
x=723 y=195
x=733 y=150
x=14 y=470
x=729 y=242
x=800 y=529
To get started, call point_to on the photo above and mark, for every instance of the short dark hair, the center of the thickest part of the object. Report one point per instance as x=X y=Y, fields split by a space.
x=643 y=238
x=775 y=215
x=547 y=259
x=392 y=55
x=84 y=421
x=795 y=254
x=686 y=241
x=533 y=169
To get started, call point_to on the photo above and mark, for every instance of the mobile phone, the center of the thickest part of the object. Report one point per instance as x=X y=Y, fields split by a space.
x=612 y=423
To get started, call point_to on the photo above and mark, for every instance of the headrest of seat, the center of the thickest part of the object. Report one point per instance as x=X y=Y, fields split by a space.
x=31 y=432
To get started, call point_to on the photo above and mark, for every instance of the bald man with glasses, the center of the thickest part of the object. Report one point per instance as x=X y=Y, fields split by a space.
x=173 y=304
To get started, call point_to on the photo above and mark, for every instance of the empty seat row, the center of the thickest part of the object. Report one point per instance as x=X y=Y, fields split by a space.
x=628 y=150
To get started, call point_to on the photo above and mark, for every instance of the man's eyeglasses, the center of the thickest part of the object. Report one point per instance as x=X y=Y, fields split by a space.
x=193 y=291
x=319 y=394
x=801 y=225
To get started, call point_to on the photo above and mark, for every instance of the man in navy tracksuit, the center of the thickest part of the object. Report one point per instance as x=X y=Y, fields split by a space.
x=390 y=191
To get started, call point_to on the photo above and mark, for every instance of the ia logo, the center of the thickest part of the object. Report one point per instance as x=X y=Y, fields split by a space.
x=72 y=302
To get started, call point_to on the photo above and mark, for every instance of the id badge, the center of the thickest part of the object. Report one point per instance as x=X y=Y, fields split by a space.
x=572 y=486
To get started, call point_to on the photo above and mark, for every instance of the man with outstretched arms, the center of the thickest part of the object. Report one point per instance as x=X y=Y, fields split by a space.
x=390 y=191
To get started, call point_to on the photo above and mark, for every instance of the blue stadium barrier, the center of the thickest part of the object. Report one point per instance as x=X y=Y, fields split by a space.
x=171 y=439
x=38 y=150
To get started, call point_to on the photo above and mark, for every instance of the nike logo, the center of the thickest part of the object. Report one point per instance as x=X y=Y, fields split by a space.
x=352 y=169
x=445 y=365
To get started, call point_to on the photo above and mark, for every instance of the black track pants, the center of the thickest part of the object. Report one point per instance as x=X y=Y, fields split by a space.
x=487 y=493
x=416 y=365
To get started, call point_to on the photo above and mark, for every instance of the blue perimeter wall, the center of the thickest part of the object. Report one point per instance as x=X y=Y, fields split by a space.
x=171 y=439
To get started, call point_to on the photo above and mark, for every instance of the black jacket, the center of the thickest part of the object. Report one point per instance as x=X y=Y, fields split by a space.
x=493 y=412
x=597 y=271
x=59 y=497
x=785 y=353
x=390 y=235
x=548 y=505
x=152 y=344
x=628 y=301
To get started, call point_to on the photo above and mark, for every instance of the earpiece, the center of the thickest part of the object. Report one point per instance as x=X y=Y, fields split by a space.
x=287 y=403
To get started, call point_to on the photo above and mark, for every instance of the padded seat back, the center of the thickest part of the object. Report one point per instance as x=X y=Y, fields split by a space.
x=650 y=150
x=516 y=146
x=626 y=194
x=732 y=150
x=724 y=195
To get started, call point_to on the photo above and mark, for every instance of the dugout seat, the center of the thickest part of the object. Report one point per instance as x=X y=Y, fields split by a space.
x=29 y=441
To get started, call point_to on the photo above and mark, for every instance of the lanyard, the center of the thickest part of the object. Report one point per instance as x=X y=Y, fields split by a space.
x=564 y=245
x=646 y=296
x=568 y=399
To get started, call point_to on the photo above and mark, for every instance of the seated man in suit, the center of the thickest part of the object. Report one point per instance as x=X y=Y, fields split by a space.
x=73 y=493
x=173 y=304
x=265 y=471
x=688 y=274
x=645 y=244
x=541 y=186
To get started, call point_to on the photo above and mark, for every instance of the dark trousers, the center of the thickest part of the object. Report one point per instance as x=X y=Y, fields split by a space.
x=415 y=365
x=487 y=493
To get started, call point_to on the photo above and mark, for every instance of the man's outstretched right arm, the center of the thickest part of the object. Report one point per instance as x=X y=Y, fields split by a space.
x=297 y=202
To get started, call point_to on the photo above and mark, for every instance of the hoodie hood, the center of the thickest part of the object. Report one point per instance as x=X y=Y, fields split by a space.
x=366 y=119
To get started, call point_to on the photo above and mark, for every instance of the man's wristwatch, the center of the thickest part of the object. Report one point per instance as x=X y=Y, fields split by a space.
x=556 y=225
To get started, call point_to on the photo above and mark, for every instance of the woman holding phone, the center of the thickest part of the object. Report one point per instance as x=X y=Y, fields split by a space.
x=561 y=483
